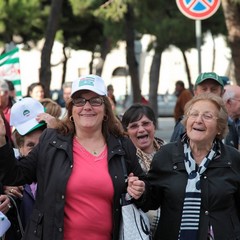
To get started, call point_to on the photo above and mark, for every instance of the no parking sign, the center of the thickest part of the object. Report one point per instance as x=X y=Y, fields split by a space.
x=198 y=9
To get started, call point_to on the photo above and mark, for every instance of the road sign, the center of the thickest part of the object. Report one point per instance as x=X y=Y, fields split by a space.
x=198 y=9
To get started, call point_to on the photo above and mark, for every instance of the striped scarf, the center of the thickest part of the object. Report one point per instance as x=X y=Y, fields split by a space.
x=192 y=202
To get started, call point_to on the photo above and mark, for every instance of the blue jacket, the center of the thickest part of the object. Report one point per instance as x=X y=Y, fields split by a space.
x=27 y=204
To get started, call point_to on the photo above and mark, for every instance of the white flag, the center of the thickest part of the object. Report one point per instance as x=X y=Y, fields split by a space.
x=10 y=69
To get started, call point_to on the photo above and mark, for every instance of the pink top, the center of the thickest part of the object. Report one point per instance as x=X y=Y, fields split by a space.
x=89 y=197
x=6 y=113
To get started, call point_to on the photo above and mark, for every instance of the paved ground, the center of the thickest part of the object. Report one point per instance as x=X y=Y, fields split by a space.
x=165 y=128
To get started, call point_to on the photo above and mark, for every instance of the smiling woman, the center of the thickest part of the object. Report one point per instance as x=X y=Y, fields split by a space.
x=78 y=169
x=202 y=172
x=139 y=122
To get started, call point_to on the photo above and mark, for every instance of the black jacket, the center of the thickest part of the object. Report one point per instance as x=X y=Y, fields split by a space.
x=50 y=164
x=232 y=137
x=220 y=192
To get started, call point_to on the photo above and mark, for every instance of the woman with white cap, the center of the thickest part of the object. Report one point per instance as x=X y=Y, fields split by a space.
x=78 y=169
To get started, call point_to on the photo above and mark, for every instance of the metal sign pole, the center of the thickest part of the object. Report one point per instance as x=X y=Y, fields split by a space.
x=198 y=10
x=199 y=43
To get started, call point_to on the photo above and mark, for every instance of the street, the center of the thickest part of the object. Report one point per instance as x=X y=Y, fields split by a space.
x=165 y=128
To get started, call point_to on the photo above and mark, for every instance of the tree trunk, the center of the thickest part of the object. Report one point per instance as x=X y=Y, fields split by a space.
x=105 y=49
x=187 y=71
x=91 y=63
x=131 y=58
x=52 y=27
x=64 y=64
x=231 y=11
x=214 y=53
x=154 y=81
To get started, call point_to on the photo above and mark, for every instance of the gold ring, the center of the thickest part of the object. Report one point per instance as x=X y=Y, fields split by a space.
x=9 y=206
x=11 y=191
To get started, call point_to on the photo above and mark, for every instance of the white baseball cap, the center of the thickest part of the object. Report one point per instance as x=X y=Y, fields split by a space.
x=91 y=82
x=23 y=115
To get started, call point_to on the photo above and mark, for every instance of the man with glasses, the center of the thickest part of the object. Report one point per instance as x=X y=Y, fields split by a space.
x=231 y=98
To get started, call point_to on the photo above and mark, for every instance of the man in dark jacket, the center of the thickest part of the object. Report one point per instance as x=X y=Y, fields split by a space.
x=231 y=98
x=183 y=96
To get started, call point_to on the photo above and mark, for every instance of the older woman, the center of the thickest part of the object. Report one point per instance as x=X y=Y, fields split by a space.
x=196 y=180
x=78 y=170
x=140 y=123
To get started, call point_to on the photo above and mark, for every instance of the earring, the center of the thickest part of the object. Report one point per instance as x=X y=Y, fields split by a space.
x=71 y=118
x=105 y=118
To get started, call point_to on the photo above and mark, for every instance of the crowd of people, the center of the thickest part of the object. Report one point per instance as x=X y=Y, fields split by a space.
x=61 y=174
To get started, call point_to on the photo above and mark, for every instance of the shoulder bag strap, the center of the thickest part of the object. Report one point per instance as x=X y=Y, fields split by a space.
x=18 y=215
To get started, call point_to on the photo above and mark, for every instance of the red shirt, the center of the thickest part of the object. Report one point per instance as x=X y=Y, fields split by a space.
x=6 y=113
x=89 y=197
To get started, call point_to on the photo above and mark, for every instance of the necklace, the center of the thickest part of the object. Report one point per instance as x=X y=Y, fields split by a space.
x=94 y=151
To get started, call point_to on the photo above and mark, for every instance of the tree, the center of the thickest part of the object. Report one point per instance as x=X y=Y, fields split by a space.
x=231 y=11
x=216 y=26
x=18 y=24
x=84 y=29
x=119 y=17
x=163 y=20
x=52 y=27
x=131 y=58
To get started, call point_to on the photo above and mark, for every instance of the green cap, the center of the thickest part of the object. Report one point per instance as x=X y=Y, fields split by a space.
x=209 y=75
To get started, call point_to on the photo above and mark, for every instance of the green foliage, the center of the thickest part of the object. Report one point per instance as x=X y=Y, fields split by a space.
x=86 y=23
x=216 y=23
x=23 y=18
x=163 y=20
x=85 y=7
x=81 y=31
x=112 y=11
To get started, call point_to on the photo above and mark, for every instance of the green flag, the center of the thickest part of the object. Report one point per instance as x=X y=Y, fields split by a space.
x=10 y=69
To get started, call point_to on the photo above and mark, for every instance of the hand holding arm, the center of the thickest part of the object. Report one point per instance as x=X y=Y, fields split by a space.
x=135 y=187
x=14 y=191
x=5 y=204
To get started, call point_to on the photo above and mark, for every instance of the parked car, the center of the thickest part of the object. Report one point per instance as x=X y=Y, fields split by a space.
x=166 y=104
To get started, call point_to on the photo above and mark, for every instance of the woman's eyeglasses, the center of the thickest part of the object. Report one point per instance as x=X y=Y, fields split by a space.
x=80 y=102
x=206 y=116
x=135 y=126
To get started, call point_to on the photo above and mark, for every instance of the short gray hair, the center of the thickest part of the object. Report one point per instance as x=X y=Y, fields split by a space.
x=3 y=85
x=67 y=85
x=222 y=125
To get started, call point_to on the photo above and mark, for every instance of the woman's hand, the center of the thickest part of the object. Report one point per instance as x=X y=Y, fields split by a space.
x=135 y=187
x=14 y=191
x=5 y=204
x=49 y=119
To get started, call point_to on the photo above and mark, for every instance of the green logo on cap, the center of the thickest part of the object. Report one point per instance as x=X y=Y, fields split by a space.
x=26 y=113
x=86 y=81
